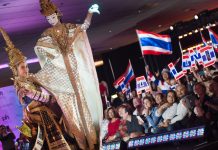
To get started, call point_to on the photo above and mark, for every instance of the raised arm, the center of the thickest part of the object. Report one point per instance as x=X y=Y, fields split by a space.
x=93 y=9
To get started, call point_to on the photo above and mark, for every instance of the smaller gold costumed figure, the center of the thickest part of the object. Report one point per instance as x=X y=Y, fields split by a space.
x=34 y=101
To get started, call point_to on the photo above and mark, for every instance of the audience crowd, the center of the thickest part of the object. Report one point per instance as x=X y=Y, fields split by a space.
x=170 y=105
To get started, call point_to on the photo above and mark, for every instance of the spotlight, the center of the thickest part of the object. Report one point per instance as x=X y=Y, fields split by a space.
x=196 y=31
x=190 y=33
x=180 y=37
x=185 y=35
x=171 y=28
x=201 y=29
x=196 y=17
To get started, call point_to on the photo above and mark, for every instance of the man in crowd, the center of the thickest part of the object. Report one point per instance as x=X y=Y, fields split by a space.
x=121 y=99
x=133 y=127
x=7 y=138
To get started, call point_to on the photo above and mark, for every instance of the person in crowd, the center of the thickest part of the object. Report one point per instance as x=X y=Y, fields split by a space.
x=137 y=104
x=119 y=100
x=113 y=124
x=173 y=83
x=129 y=126
x=170 y=112
x=182 y=110
x=22 y=142
x=152 y=115
x=104 y=126
x=104 y=93
x=162 y=85
x=213 y=103
x=200 y=90
x=7 y=138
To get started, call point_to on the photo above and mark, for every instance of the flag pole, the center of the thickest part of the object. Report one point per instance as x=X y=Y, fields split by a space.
x=112 y=70
x=180 y=47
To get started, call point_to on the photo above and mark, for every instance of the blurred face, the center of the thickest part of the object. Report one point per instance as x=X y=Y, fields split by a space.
x=136 y=102
x=165 y=75
x=133 y=93
x=124 y=114
x=213 y=87
x=180 y=91
x=120 y=112
x=170 y=97
x=53 y=19
x=111 y=114
x=199 y=89
x=147 y=104
x=158 y=99
x=22 y=70
x=121 y=95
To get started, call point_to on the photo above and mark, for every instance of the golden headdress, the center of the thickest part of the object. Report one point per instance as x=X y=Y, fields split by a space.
x=15 y=55
x=47 y=7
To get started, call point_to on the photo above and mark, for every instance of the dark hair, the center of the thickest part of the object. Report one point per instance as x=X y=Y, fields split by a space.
x=174 y=93
x=127 y=108
x=150 y=99
x=201 y=84
x=114 y=111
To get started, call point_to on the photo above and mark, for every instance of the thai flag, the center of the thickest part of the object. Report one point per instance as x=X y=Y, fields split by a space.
x=214 y=39
x=121 y=83
x=203 y=39
x=154 y=44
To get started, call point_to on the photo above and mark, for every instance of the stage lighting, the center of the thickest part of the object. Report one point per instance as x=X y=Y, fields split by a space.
x=171 y=28
x=196 y=17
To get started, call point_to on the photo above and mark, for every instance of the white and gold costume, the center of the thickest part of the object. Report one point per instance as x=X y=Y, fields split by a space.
x=69 y=73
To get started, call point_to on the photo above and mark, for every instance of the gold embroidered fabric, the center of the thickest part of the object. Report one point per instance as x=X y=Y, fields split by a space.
x=71 y=77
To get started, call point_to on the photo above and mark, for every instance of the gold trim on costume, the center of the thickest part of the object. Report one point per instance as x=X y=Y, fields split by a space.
x=15 y=55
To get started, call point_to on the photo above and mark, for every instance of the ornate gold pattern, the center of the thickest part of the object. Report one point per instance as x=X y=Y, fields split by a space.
x=15 y=55
x=47 y=7
x=70 y=96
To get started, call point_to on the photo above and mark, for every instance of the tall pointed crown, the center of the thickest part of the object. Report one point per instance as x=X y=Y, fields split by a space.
x=47 y=7
x=15 y=55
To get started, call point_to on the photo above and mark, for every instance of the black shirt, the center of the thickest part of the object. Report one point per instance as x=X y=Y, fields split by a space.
x=133 y=126
x=8 y=141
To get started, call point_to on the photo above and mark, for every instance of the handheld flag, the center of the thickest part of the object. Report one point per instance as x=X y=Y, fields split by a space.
x=214 y=39
x=154 y=44
x=121 y=83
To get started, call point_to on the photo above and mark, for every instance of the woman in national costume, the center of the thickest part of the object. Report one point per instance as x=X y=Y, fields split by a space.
x=36 y=113
x=69 y=73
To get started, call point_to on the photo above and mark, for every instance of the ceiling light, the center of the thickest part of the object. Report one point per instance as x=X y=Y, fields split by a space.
x=201 y=29
x=196 y=31
x=180 y=37
x=185 y=35
x=99 y=63
x=196 y=17
x=171 y=28
x=190 y=33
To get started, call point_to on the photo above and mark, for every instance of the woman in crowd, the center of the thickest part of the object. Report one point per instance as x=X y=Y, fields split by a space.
x=152 y=115
x=113 y=125
x=162 y=85
x=137 y=104
x=170 y=112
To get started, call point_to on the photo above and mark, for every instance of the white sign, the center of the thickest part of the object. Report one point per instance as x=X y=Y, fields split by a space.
x=141 y=84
